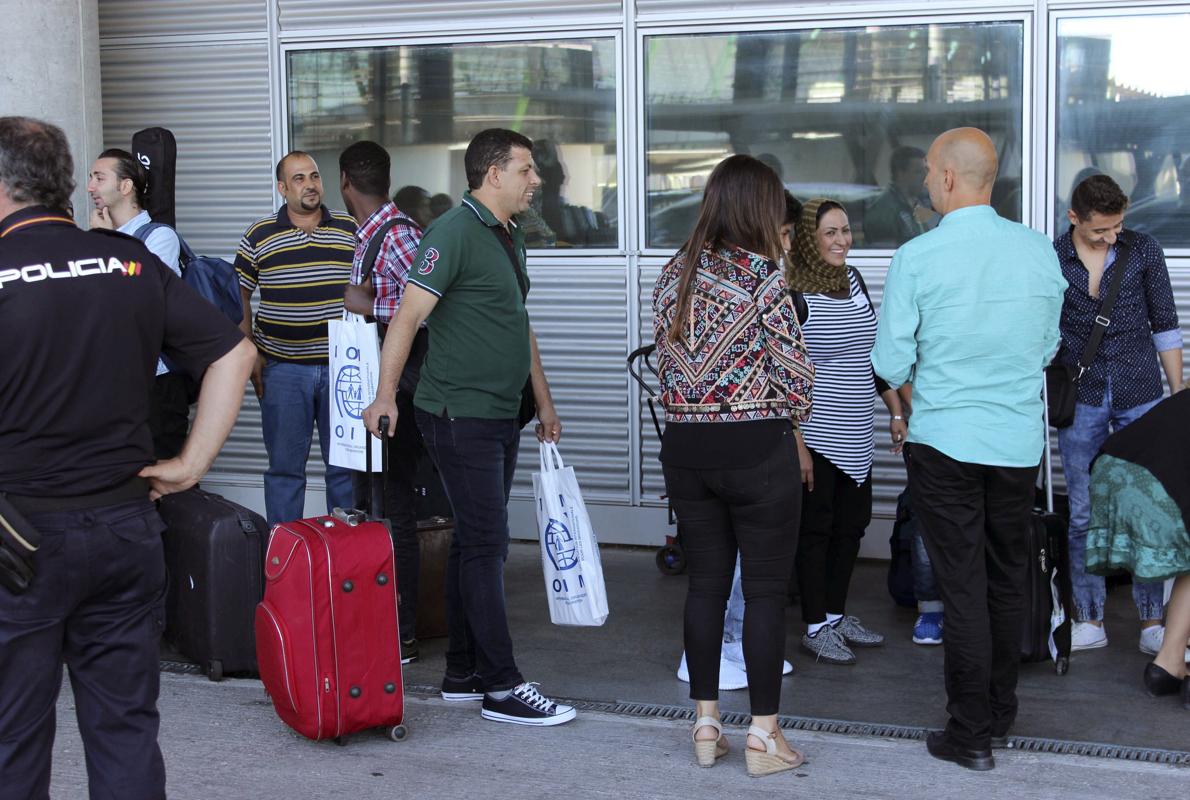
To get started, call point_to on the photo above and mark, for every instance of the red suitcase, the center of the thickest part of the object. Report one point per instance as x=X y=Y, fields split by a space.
x=326 y=632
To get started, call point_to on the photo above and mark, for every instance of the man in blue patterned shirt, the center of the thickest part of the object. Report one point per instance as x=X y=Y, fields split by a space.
x=1123 y=381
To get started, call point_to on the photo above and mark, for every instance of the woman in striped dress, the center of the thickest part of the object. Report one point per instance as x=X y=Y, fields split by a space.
x=836 y=446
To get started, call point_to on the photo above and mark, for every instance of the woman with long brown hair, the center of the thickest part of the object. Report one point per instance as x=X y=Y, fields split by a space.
x=735 y=381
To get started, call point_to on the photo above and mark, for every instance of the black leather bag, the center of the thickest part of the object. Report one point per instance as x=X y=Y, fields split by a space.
x=18 y=543
x=1061 y=380
x=1061 y=386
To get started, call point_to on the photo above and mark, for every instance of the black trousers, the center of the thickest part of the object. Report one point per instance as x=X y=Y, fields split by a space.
x=834 y=518
x=754 y=511
x=974 y=520
x=169 y=414
x=477 y=461
x=405 y=449
x=97 y=606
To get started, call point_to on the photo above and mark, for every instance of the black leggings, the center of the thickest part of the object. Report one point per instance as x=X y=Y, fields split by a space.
x=834 y=518
x=755 y=509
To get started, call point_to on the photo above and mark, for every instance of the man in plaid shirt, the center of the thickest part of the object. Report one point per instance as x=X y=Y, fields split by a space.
x=364 y=182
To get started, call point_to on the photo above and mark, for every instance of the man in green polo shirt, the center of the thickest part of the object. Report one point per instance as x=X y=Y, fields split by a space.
x=469 y=285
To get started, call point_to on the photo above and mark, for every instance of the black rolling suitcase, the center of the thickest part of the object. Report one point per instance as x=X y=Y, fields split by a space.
x=214 y=552
x=1048 y=591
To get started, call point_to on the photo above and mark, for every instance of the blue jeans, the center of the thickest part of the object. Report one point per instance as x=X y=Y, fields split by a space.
x=925 y=587
x=1079 y=444
x=296 y=398
x=476 y=459
x=96 y=605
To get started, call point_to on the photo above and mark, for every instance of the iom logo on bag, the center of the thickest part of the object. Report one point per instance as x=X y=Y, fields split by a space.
x=561 y=545
x=349 y=389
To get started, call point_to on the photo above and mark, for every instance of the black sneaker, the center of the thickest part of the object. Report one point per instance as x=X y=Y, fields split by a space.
x=459 y=689
x=409 y=651
x=524 y=705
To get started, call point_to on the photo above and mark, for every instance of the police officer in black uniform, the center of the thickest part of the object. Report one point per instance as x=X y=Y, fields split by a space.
x=83 y=317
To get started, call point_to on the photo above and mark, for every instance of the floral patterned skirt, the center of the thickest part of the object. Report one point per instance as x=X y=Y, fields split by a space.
x=1135 y=525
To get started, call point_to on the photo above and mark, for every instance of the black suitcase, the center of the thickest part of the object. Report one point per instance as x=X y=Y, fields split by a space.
x=1048 y=573
x=214 y=555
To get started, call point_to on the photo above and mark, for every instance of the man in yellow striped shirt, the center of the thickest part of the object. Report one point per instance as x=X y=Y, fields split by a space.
x=300 y=259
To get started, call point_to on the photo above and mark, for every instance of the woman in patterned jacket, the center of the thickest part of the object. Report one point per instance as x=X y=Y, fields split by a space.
x=735 y=381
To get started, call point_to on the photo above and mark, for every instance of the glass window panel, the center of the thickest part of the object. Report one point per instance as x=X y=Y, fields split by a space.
x=424 y=103
x=829 y=108
x=1123 y=98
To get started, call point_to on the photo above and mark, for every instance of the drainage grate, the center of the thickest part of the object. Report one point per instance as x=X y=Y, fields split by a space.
x=180 y=667
x=845 y=728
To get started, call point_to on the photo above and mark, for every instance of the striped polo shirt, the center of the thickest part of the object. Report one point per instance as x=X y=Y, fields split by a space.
x=301 y=278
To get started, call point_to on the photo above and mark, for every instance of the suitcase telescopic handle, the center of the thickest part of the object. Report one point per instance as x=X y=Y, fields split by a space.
x=376 y=507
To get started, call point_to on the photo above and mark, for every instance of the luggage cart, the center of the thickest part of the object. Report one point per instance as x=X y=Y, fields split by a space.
x=670 y=558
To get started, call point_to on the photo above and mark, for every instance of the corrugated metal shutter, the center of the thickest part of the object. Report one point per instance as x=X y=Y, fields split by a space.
x=216 y=101
x=215 y=98
x=497 y=16
x=579 y=314
x=126 y=18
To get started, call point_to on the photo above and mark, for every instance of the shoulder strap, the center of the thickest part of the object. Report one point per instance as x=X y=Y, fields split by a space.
x=143 y=231
x=800 y=306
x=1103 y=319
x=377 y=241
x=863 y=287
x=512 y=259
x=185 y=254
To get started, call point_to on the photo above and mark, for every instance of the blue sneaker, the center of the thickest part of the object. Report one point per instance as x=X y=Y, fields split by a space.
x=928 y=628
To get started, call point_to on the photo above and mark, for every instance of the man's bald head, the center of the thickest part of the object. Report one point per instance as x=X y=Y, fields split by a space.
x=962 y=166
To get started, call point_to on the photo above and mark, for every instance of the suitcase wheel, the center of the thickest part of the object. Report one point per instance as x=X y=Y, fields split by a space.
x=215 y=670
x=671 y=560
x=398 y=733
x=1061 y=665
x=341 y=741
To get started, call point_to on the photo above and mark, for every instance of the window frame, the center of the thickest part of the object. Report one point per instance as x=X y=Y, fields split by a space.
x=1083 y=12
x=842 y=21
x=615 y=35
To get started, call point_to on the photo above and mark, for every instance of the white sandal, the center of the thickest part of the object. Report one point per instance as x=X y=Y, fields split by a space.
x=707 y=750
x=770 y=760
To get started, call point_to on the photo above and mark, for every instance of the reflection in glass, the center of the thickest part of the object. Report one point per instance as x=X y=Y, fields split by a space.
x=829 y=108
x=1123 y=98
x=424 y=103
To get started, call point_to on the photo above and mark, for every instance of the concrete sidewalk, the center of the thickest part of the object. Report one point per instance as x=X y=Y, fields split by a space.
x=222 y=740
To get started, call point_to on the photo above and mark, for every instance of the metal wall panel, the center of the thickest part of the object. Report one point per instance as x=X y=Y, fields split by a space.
x=216 y=101
x=579 y=314
x=496 y=16
x=128 y=18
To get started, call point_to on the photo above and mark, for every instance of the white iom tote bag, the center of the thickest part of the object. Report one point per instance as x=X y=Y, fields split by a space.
x=569 y=551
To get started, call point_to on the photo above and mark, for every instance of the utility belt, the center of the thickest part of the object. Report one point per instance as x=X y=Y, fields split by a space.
x=19 y=540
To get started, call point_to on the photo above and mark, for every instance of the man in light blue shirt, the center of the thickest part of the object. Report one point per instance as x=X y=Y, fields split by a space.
x=970 y=318
x=119 y=185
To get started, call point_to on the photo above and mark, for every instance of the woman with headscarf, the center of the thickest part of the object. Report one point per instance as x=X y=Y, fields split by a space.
x=836 y=445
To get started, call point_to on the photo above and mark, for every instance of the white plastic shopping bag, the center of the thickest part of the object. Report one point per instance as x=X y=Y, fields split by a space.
x=354 y=373
x=569 y=551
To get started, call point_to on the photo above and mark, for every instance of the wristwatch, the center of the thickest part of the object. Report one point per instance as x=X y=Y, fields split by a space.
x=896 y=417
